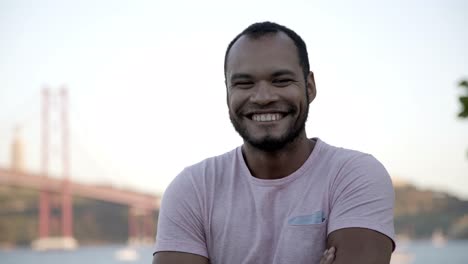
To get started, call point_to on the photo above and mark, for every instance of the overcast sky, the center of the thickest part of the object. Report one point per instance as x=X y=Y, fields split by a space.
x=147 y=96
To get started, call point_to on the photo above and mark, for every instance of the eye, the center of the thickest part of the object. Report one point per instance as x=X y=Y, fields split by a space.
x=282 y=82
x=244 y=84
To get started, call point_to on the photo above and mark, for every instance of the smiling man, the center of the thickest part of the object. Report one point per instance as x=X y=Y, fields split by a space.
x=281 y=197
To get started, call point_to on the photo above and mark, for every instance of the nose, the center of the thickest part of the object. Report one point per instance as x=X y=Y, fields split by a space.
x=263 y=94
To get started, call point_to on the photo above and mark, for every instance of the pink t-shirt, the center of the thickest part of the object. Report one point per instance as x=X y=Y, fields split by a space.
x=218 y=210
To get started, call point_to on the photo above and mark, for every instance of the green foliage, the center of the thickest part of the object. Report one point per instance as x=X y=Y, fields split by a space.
x=419 y=212
x=464 y=100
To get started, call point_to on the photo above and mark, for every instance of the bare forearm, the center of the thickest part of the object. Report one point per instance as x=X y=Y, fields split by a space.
x=360 y=246
x=173 y=257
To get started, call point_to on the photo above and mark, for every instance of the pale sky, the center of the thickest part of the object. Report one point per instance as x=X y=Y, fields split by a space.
x=147 y=96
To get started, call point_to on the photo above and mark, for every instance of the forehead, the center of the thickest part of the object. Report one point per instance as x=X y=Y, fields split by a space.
x=263 y=55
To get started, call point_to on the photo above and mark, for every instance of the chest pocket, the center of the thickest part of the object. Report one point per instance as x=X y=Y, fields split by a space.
x=301 y=242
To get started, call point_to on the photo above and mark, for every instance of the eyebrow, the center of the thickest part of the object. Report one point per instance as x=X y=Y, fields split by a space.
x=283 y=72
x=248 y=76
x=240 y=76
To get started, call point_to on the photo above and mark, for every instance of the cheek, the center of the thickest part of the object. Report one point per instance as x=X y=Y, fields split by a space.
x=297 y=97
x=230 y=103
x=234 y=101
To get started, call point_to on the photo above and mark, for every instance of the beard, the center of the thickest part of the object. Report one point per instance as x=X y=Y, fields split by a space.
x=270 y=143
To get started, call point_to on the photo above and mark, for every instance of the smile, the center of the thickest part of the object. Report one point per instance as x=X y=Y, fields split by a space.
x=267 y=117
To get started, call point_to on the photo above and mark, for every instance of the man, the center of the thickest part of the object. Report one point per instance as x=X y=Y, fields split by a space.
x=280 y=197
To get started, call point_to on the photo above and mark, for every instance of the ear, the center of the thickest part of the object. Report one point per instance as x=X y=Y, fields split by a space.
x=311 y=90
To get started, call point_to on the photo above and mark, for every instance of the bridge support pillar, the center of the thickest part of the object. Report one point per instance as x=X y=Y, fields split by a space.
x=67 y=210
x=44 y=211
x=49 y=226
x=140 y=226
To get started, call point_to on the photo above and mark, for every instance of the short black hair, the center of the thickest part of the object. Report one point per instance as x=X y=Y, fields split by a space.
x=260 y=29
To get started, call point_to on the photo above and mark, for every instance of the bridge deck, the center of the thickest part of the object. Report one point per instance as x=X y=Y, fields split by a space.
x=103 y=193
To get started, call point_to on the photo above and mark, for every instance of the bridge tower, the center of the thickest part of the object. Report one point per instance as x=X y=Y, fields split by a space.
x=66 y=240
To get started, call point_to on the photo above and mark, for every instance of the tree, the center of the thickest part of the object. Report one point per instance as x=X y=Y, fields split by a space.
x=464 y=100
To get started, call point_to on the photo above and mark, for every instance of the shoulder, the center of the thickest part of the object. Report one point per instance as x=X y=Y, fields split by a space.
x=211 y=166
x=353 y=163
x=194 y=184
x=201 y=174
x=356 y=177
x=339 y=155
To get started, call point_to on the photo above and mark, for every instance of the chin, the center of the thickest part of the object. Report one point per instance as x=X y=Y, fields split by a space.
x=266 y=139
x=268 y=143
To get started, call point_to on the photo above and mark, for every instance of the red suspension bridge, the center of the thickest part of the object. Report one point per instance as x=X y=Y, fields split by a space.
x=141 y=206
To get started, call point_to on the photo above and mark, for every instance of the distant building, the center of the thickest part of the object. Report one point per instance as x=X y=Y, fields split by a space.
x=399 y=182
x=17 y=152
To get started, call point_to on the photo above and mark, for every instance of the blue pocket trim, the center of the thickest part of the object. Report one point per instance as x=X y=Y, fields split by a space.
x=315 y=218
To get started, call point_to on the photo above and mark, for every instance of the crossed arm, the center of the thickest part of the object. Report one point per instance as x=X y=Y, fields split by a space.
x=350 y=246
x=174 y=257
x=360 y=246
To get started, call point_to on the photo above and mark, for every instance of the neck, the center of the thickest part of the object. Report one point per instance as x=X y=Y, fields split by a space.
x=278 y=164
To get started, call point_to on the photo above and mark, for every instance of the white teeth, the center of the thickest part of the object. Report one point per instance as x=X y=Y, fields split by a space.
x=266 y=117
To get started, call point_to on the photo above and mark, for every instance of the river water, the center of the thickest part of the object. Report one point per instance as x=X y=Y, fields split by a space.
x=415 y=252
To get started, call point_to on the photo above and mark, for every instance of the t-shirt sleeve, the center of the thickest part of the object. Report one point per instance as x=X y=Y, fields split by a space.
x=363 y=196
x=180 y=222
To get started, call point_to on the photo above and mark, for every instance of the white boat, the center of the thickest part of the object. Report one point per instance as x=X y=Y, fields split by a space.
x=402 y=255
x=127 y=254
x=438 y=239
x=401 y=258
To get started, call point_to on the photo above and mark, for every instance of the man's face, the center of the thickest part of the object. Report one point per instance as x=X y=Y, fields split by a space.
x=267 y=94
